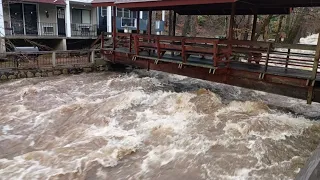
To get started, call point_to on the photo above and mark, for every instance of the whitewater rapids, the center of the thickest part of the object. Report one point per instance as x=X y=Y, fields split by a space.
x=150 y=125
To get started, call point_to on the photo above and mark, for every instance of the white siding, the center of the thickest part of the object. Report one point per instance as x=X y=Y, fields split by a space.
x=52 y=11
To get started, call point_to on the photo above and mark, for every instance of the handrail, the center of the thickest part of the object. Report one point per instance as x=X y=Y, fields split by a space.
x=47 y=59
x=295 y=46
x=186 y=46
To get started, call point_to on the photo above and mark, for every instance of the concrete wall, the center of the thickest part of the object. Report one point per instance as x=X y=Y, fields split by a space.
x=61 y=45
x=52 y=10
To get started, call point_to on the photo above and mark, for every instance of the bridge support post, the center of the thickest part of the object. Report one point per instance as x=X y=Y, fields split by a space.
x=314 y=73
x=254 y=25
x=114 y=32
x=114 y=26
x=170 y=23
x=233 y=12
x=149 y=30
x=150 y=23
x=174 y=23
x=174 y=27
x=138 y=22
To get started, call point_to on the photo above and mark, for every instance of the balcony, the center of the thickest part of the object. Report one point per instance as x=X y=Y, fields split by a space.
x=44 y=30
x=40 y=29
x=83 y=30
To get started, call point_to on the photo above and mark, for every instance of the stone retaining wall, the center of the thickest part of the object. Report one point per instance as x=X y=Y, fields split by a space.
x=17 y=74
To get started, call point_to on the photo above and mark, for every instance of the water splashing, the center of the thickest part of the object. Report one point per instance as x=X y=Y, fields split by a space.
x=136 y=126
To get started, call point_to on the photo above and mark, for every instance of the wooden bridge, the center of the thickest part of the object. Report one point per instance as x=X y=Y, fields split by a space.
x=285 y=69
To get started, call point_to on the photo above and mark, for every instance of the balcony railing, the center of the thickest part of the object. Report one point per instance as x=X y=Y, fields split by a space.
x=18 y=28
x=50 y=29
x=83 y=30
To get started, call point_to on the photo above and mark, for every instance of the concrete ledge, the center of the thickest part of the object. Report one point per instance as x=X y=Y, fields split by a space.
x=311 y=171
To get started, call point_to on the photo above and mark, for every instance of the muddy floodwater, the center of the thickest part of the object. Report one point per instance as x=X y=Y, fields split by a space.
x=150 y=125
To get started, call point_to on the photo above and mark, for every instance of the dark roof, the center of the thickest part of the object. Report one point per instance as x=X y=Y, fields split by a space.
x=153 y=4
x=58 y=2
x=213 y=7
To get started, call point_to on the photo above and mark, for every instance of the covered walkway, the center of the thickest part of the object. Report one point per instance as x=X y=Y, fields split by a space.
x=286 y=69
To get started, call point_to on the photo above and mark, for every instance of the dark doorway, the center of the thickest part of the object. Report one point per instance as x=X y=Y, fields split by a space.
x=31 y=19
x=61 y=21
x=17 y=18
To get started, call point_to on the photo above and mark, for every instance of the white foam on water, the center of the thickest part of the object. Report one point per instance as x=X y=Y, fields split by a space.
x=5 y=129
x=93 y=121
x=312 y=39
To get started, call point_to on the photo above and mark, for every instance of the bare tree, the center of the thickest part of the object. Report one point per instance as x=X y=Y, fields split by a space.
x=278 y=31
x=295 y=25
x=193 y=26
x=263 y=27
x=186 y=26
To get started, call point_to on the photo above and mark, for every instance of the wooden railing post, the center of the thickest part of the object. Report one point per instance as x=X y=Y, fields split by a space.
x=102 y=40
x=54 y=60
x=287 y=60
x=215 y=54
x=92 y=56
x=183 y=51
x=267 y=58
x=130 y=43
x=229 y=54
x=158 y=47
x=314 y=72
x=16 y=62
x=136 y=44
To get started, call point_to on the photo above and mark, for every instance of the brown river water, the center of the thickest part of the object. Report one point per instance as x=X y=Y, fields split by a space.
x=150 y=125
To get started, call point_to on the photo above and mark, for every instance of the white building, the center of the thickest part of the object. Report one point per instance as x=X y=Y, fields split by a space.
x=61 y=24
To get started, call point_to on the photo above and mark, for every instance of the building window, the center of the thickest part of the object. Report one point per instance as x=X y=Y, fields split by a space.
x=81 y=16
x=119 y=12
x=122 y=12
x=48 y=30
x=126 y=13
x=104 y=11
x=134 y=14
x=24 y=18
x=145 y=14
